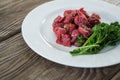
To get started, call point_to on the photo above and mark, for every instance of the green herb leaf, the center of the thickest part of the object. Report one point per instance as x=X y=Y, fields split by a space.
x=103 y=35
x=80 y=40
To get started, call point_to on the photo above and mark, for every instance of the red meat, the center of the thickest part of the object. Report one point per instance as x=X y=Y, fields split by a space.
x=58 y=22
x=74 y=39
x=95 y=16
x=81 y=20
x=59 y=31
x=58 y=40
x=66 y=40
x=73 y=24
x=94 y=19
x=69 y=27
x=75 y=33
x=57 y=25
x=58 y=19
x=84 y=12
x=70 y=13
x=68 y=19
x=84 y=31
x=76 y=44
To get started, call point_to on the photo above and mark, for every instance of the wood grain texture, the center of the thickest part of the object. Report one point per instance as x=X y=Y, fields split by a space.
x=115 y=2
x=12 y=13
x=19 y=62
x=116 y=77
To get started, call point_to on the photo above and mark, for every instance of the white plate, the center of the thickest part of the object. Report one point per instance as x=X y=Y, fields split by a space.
x=37 y=33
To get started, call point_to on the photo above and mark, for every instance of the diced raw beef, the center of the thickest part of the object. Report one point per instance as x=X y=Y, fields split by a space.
x=73 y=24
x=94 y=19
x=69 y=27
x=81 y=20
x=77 y=44
x=84 y=12
x=68 y=19
x=58 y=40
x=59 y=31
x=58 y=22
x=57 y=25
x=83 y=31
x=74 y=39
x=70 y=13
x=66 y=40
x=75 y=33
x=58 y=19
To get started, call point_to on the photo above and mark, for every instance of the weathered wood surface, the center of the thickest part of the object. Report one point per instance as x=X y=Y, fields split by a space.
x=19 y=62
x=12 y=13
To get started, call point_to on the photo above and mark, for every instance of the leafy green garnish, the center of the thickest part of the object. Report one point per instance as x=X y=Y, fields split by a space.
x=80 y=40
x=103 y=35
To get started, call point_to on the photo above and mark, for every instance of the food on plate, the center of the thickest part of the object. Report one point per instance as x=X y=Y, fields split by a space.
x=85 y=31
x=103 y=34
x=74 y=27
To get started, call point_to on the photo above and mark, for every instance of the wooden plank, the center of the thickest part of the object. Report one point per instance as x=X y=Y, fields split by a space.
x=115 y=2
x=15 y=57
x=12 y=13
x=19 y=62
x=117 y=76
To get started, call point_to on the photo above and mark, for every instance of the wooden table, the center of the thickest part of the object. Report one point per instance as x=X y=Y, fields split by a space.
x=19 y=62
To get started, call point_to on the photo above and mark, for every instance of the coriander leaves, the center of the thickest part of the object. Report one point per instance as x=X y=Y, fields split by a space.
x=103 y=35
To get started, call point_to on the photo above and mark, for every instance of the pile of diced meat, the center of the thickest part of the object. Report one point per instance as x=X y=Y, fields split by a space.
x=73 y=24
